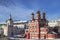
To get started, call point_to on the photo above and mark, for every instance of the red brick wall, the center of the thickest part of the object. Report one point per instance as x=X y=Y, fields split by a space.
x=33 y=28
x=51 y=36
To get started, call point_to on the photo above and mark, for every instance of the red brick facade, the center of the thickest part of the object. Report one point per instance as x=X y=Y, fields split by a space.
x=37 y=27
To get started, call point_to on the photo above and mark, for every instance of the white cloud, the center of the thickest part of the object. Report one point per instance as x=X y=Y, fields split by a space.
x=17 y=12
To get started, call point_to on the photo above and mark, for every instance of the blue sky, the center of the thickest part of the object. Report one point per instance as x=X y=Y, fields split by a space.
x=22 y=9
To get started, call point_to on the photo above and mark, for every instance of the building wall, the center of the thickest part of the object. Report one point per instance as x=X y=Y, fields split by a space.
x=37 y=28
x=21 y=25
x=35 y=24
x=52 y=23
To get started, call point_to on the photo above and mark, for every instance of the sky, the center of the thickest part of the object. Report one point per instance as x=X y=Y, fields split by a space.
x=22 y=9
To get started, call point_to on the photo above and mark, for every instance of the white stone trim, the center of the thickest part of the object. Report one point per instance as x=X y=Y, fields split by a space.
x=43 y=32
x=50 y=38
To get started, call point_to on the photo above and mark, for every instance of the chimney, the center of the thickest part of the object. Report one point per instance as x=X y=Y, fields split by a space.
x=32 y=16
x=38 y=15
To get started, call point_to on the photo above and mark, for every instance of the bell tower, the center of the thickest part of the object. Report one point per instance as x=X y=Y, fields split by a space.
x=10 y=26
x=38 y=17
x=32 y=16
x=44 y=21
x=43 y=15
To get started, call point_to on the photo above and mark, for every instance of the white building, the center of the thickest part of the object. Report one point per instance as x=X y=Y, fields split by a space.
x=54 y=23
x=13 y=26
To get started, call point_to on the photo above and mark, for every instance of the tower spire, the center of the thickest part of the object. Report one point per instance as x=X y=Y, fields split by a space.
x=10 y=17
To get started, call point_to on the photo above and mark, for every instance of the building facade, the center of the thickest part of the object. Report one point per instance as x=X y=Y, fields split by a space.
x=13 y=28
x=52 y=23
x=37 y=28
x=55 y=24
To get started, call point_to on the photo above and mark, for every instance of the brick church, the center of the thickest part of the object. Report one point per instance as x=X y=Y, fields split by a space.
x=38 y=28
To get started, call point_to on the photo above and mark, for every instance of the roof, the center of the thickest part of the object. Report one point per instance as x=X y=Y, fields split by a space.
x=18 y=21
x=52 y=32
x=3 y=23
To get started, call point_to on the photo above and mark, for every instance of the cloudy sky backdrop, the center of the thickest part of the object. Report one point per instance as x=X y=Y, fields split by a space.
x=22 y=9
